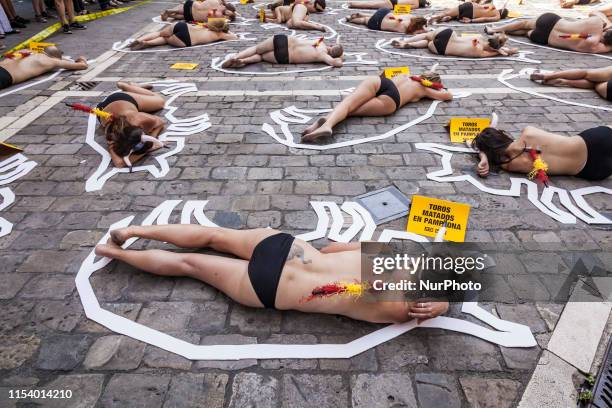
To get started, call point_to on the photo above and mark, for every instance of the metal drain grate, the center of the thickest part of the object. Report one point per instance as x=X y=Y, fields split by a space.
x=83 y=86
x=602 y=393
x=385 y=204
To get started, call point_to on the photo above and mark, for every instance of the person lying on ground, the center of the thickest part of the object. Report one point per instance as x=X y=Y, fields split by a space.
x=390 y=4
x=587 y=155
x=599 y=79
x=131 y=131
x=572 y=3
x=385 y=20
x=182 y=35
x=444 y=41
x=591 y=35
x=279 y=3
x=21 y=66
x=379 y=96
x=200 y=11
x=606 y=10
x=283 y=49
x=296 y=16
x=470 y=12
x=269 y=269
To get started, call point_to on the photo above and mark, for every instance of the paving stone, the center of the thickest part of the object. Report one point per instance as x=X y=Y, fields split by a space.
x=476 y=354
x=437 y=390
x=382 y=390
x=166 y=316
x=11 y=284
x=127 y=310
x=490 y=393
x=197 y=390
x=520 y=358
x=524 y=314
x=208 y=317
x=550 y=313
x=86 y=389
x=405 y=350
x=249 y=320
x=59 y=315
x=365 y=361
x=191 y=289
x=251 y=390
x=13 y=315
x=55 y=287
x=264 y=219
x=159 y=358
x=229 y=364
x=16 y=349
x=135 y=391
x=62 y=352
x=313 y=390
x=114 y=352
x=290 y=363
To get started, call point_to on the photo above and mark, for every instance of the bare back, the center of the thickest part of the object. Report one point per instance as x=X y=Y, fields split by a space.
x=29 y=67
x=473 y=47
x=592 y=25
x=305 y=51
x=202 y=35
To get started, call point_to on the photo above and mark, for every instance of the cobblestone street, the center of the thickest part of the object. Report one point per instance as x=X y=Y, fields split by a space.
x=250 y=180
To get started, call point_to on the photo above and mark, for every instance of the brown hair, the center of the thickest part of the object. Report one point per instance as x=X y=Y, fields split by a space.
x=336 y=51
x=416 y=23
x=431 y=76
x=497 y=41
x=493 y=143
x=122 y=135
x=218 y=25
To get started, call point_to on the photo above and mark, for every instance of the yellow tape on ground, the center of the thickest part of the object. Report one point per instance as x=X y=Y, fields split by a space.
x=87 y=17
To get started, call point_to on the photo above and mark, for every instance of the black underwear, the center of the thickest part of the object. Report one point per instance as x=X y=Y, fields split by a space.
x=387 y=87
x=181 y=31
x=117 y=96
x=441 y=40
x=423 y=3
x=466 y=10
x=377 y=18
x=394 y=2
x=266 y=266
x=187 y=14
x=287 y=2
x=581 y=2
x=599 y=153
x=543 y=27
x=281 y=48
x=609 y=91
x=6 y=79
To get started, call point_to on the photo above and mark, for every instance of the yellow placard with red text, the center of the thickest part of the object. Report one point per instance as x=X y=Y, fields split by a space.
x=401 y=9
x=39 y=46
x=427 y=215
x=395 y=71
x=462 y=129
x=184 y=65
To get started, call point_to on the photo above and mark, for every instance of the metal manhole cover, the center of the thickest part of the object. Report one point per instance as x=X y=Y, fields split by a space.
x=83 y=86
x=385 y=204
x=602 y=393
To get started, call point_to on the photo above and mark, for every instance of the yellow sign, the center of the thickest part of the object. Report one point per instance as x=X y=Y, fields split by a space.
x=427 y=215
x=184 y=65
x=401 y=9
x=514 y=14
x=395 y=71
x=39 y=46
x=246 y=1
x=470 y=35
x=262 y=15
x=462 y=129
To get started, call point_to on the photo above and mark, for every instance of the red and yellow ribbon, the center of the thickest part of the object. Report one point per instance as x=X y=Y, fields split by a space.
x=427 y=83
x=539 y=168
x=355 y=289
x=98 y=112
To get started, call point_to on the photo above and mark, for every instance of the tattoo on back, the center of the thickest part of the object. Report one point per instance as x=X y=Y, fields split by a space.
x=297 y=251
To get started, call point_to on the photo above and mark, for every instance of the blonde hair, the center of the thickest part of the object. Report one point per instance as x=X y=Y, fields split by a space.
x=218 y=25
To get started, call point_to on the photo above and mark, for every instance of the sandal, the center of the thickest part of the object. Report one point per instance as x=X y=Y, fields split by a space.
x=40 y=19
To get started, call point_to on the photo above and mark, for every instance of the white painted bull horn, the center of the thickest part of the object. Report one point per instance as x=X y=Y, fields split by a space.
x=338 y=40
x=440 y=234
x=494 y=120
x=434 y=67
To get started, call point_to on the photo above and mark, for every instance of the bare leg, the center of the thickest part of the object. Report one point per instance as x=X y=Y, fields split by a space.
x=144 y=89
x=602 y=89
x=372 y=4
x=237 y=242
x=416 y=41
x=365 y=92
x=148 y=103
x=574 y=83
x=518 y=27
x=228 y=275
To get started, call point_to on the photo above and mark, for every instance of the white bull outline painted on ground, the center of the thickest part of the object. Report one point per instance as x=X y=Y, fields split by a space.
x=506 y=334
x=11 y=169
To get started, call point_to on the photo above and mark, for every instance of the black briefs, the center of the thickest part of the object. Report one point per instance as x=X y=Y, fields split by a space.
x=387 y=87
x=181 y=31
x=609 y=91
x=6 y=79
x=266 y=266
x=599 y=153
x=287 y=2
x=543 y=27
x=581 y=2
x=187 y=14
x=281 y=48
x=117 y=96
x=441 y=40
x=394 y=2
x=423 y=3
x=377 y=18
x=466 y=10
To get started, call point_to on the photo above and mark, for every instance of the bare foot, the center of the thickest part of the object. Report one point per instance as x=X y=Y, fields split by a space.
x=446 y=18
x=233 y=63
x=119 y=236
x=317 y=124
x=489 y=30
x=400 y=44
x=554 y=82
x=137 y=45
x=323 y=131
x=164 y=15
x=536 y=76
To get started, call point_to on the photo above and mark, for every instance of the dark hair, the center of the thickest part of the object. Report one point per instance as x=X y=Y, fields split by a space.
x=493 y=143
x=416 y=23
x=497 y=41
x=230 y=7
x=503 y=13
x=431 y=76
x=607 y=37
x=320 y=3
x=336 y=51
x=124 y=136
x=423 y=3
